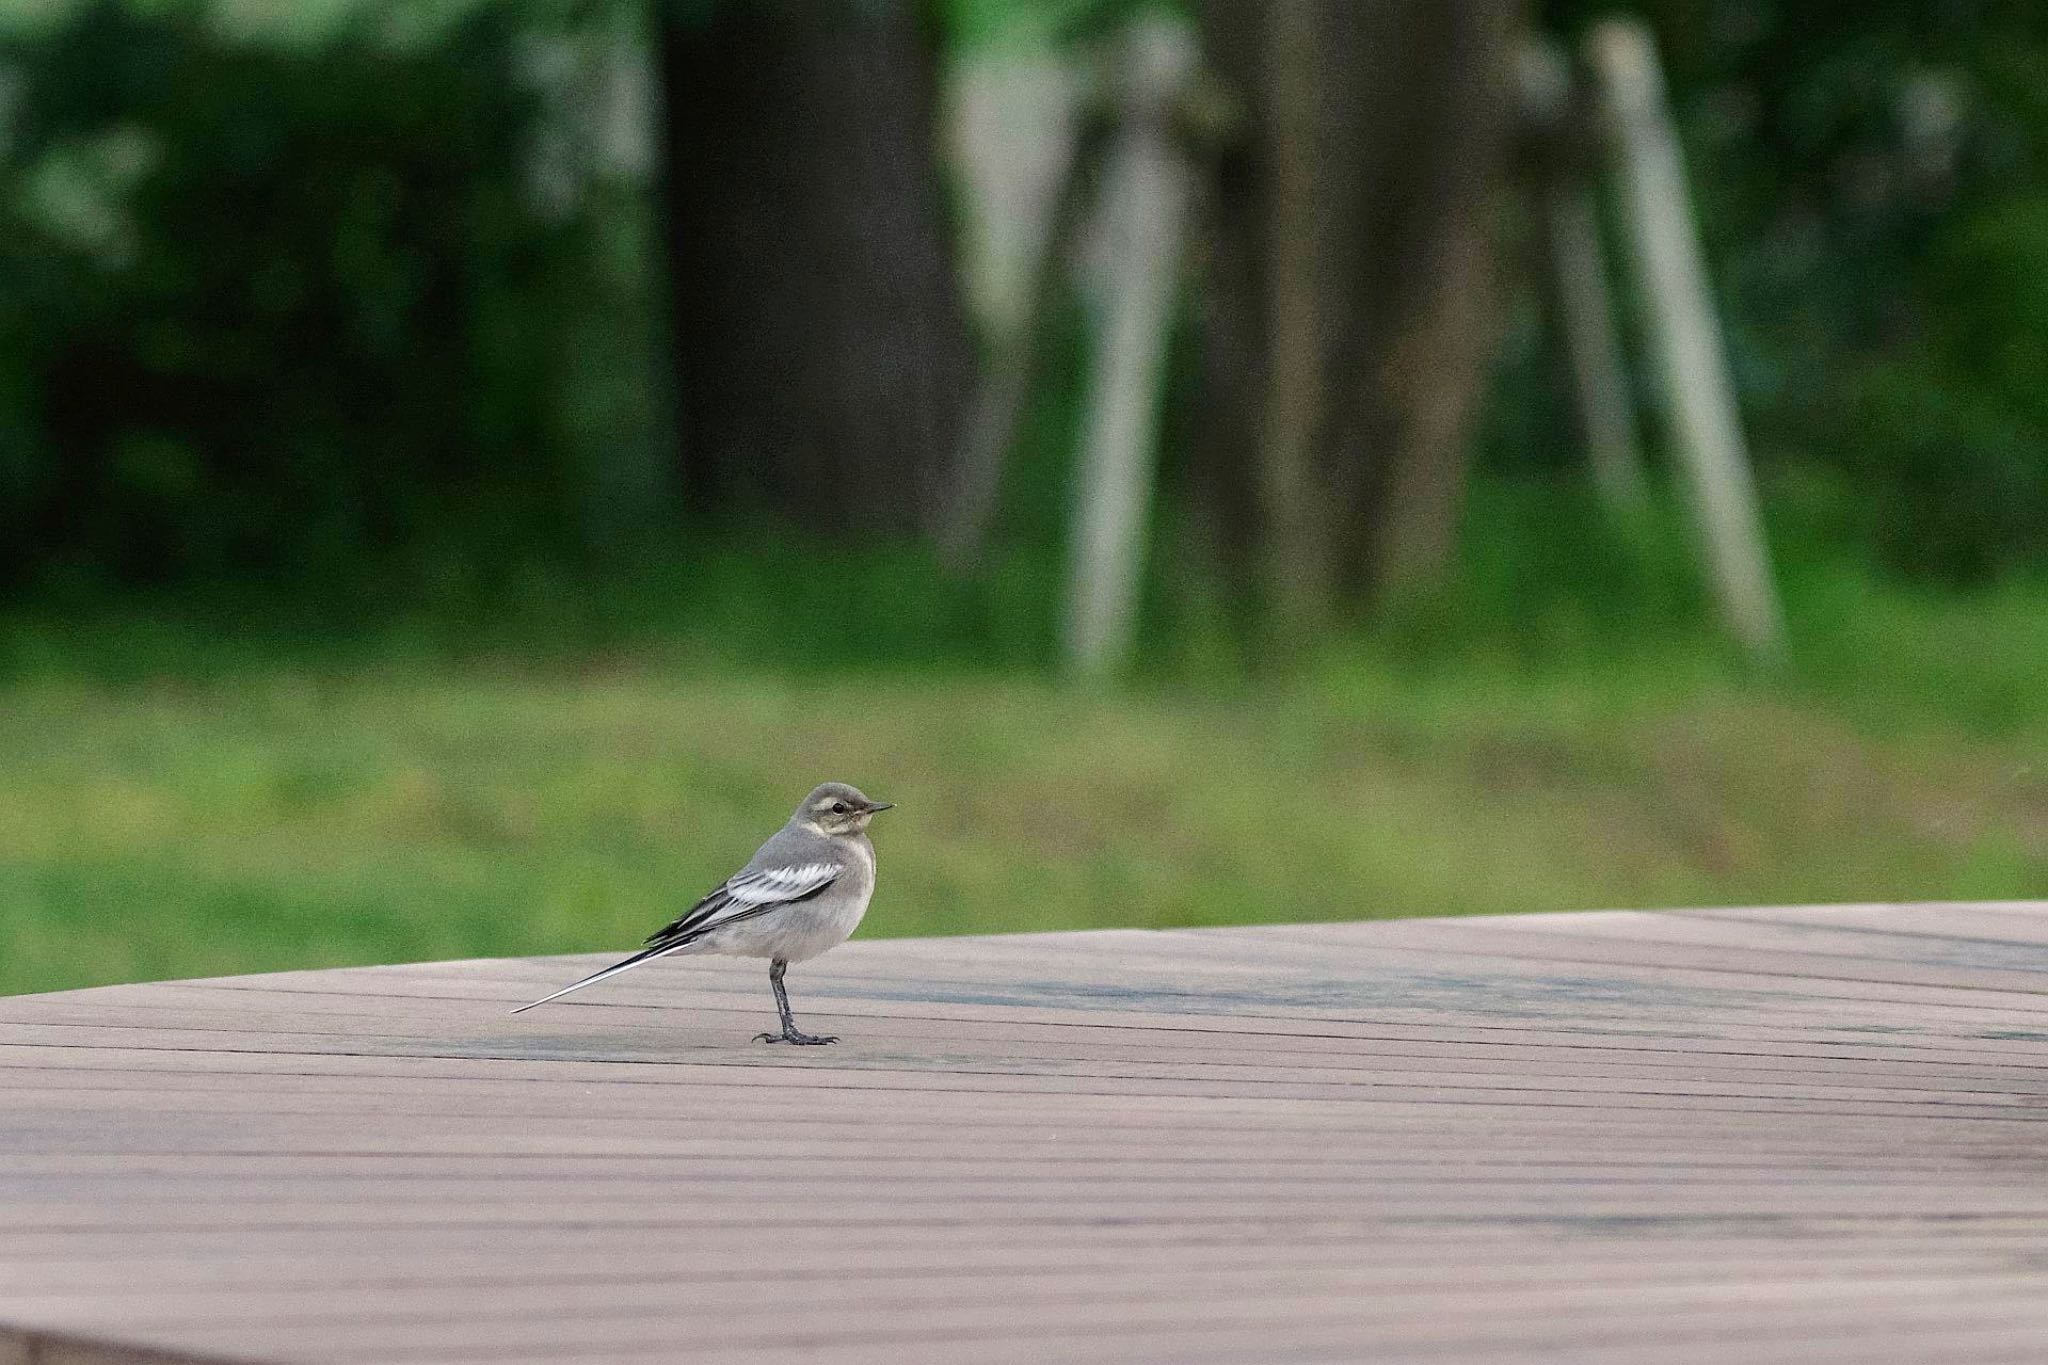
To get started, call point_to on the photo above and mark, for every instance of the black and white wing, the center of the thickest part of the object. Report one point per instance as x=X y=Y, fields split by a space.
x=741 y=897
x=744 y=896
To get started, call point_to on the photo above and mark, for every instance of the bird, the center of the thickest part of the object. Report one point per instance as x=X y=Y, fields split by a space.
x=803 y=892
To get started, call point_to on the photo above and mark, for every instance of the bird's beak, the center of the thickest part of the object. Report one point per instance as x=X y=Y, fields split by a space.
x=874 y=806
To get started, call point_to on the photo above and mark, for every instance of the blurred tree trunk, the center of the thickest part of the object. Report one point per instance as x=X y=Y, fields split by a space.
x=1349 y=319
x=823 y=357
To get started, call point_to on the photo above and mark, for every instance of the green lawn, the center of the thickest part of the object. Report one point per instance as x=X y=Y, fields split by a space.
x=280 y=810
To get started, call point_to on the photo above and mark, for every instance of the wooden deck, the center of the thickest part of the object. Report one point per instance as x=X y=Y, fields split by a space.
x=1733 y=1136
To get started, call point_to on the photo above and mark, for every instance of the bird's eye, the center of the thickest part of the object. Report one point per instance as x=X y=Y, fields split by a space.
x=839 y=808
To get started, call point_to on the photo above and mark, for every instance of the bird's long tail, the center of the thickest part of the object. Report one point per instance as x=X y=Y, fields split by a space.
x=644 y=955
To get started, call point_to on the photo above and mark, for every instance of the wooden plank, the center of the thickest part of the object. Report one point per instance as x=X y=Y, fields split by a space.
x=1700 y=978
x=1996 y=922
x=191 y=1077
x=942 y=1094
x=1091 y=1326
x=223 y=1268
x=1705 y=1135
x=1996 y=959
x=497 y=1199
x=1985 y=1238
x=830 y=1292
x=667 y=1029
x=1220 y=1047
x=675 y=1031
x=1438 y=974
x=580 y=1315
x=1989 y=1345
x=197 y=1057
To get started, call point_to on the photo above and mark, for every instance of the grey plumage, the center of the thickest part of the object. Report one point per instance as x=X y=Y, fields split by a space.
x=803 y=892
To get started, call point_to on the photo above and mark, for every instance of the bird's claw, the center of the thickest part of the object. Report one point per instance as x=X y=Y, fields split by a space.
x=799 y=1039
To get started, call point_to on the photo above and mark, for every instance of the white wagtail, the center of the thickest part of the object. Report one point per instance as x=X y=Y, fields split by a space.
x=804 y=891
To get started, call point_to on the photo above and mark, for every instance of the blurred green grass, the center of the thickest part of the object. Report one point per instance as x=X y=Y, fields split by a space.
x=190 y=798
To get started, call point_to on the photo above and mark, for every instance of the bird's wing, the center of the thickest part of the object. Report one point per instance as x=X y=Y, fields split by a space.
x=745 y=895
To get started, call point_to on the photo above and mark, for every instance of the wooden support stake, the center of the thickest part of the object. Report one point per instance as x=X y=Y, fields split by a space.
x=1017 y=131
x=1146 y=188
x=1578 y=277
x=1586 y=316
x=1686 y=334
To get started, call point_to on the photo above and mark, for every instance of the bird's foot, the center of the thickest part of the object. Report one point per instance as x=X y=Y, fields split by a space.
x=790 y=1035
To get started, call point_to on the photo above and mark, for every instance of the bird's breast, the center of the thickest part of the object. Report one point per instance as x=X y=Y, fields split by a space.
x=823 y=922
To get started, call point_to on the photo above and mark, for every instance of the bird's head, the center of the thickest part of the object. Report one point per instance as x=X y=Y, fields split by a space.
x=837 y=808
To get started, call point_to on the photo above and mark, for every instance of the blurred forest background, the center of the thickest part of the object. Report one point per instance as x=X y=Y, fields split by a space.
x=468 y=466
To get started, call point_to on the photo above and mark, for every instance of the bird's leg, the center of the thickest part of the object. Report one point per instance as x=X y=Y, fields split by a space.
x=790 y=1033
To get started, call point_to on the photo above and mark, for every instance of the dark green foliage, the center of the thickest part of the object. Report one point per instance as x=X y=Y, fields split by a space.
x=270 y=312
x=284 y=311
x=1873 y=184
